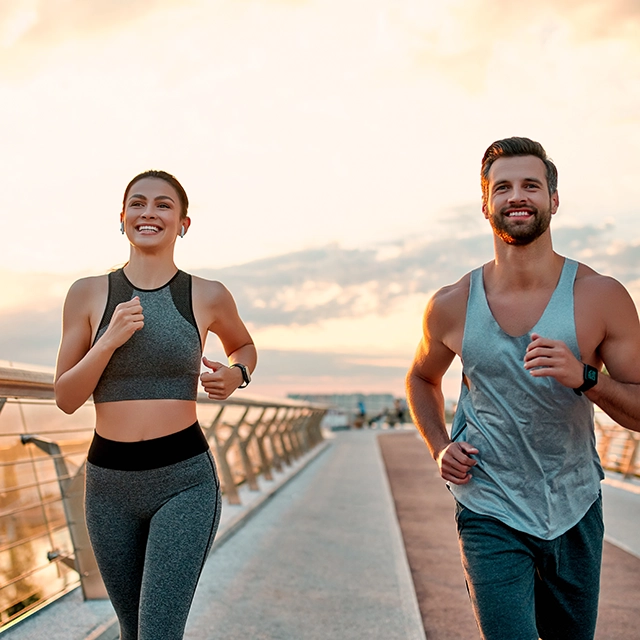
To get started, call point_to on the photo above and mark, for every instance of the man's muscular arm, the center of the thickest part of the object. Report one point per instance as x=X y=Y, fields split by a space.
x=618 y=394
x=424 y=392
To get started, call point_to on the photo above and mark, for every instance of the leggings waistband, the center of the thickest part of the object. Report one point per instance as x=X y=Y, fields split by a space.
x=147 y=454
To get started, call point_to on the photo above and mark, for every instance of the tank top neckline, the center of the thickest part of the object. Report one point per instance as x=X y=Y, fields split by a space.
x=136 y=288
x=563 y=274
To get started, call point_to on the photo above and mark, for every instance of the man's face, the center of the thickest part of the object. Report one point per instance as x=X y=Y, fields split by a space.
x=518 y=204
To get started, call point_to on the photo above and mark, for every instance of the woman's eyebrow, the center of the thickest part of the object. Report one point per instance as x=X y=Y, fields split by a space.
x=143 y=197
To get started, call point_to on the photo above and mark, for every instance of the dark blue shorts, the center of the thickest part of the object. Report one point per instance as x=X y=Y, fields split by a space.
x=523 y=587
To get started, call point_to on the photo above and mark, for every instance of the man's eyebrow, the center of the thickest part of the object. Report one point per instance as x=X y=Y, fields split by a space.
x=507 y=181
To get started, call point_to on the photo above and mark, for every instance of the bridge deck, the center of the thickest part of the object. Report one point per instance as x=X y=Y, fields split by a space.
x=361 y=545
x=325 y=559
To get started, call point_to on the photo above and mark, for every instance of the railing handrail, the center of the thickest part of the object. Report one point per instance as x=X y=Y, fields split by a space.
x=27 y=383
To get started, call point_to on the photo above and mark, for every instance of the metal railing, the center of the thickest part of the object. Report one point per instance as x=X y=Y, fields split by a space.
x=618 y=448
x=44 y=545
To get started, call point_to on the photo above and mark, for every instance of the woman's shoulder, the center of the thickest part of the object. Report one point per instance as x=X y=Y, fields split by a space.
x=210 y=292
x=208 y=287
x=88 y=288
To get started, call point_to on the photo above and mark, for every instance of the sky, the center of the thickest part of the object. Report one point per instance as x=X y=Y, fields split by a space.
x=330 y=150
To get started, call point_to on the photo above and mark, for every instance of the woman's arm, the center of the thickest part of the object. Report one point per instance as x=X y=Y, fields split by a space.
x=79 y=364
x=225 y=322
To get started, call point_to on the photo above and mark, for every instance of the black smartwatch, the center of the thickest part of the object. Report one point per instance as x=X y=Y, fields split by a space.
x=590 y=379
x=245 y=374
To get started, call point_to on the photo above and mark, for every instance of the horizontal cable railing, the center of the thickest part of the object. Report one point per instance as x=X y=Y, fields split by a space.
x=44 y=546
x=618 y=448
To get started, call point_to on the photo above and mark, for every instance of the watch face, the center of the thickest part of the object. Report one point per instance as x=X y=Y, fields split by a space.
x=591 y=374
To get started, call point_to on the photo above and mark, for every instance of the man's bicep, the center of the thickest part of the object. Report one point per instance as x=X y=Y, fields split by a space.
x=434 y=356
x=620 y=349
x=432 y=360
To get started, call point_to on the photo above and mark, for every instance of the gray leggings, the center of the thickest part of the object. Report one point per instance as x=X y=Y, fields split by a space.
x=151 y=532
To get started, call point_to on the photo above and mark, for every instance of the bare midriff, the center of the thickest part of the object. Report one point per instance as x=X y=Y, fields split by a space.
x=135 y=420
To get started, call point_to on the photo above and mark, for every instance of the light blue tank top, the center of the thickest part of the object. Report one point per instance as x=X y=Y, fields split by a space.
x=538 y=470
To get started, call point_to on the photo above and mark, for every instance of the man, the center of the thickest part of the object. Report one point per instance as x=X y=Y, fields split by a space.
x=533 y=330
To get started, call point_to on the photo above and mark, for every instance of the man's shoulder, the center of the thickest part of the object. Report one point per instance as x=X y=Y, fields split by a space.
x=590 y=283
x=452 y=295
x=447 y=307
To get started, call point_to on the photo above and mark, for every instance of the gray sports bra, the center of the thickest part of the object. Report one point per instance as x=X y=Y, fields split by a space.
x=162 y=360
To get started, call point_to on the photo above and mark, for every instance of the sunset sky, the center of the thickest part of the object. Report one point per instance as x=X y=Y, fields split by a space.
x=330 y=150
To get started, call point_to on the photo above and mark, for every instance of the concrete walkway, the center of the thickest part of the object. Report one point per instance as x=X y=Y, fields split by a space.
x=325 y=559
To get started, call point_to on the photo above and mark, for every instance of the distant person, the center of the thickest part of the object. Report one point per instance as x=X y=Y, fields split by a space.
x=533 y=330
x=398 y=410
x=134 y=339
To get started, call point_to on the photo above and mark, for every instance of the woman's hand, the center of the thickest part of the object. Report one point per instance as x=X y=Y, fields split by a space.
x=127 y=318
x=222 y=381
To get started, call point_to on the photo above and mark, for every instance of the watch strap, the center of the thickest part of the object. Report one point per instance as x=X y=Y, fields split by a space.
x=246 y=378
x=590 y=379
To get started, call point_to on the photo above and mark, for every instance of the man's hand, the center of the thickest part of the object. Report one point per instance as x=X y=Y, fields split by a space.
x=553 y=358
x=454 y=462
x=222 y=381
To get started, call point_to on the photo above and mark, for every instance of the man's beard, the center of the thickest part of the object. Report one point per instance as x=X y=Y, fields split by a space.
x=520 y=234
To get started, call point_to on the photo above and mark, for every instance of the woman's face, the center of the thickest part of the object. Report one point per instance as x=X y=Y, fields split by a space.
x=152 y=213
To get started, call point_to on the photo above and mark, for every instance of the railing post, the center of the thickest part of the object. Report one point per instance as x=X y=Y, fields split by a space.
x=72 y=492
x=283 y=437
x=265 y=463
x=243 y=443
x=295 y=434
x=276 y=442
x=228 y=484
x=631 y=450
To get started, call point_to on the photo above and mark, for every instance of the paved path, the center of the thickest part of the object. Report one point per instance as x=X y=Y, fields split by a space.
x=332 y=556
x=323 y=560
x=425 y=514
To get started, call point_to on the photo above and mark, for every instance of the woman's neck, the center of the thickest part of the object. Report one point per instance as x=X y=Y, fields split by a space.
x=149 y=271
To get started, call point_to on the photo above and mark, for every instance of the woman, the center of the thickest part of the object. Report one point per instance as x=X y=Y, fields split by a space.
x=134 y=339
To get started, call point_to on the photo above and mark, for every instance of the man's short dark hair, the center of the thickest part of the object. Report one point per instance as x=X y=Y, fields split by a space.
x=510 y=147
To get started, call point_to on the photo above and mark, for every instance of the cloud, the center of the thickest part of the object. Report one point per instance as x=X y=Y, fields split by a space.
x=307 y=287
x=311 y=287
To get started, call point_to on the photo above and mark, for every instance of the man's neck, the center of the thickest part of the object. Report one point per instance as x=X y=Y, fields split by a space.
x=522 y=268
